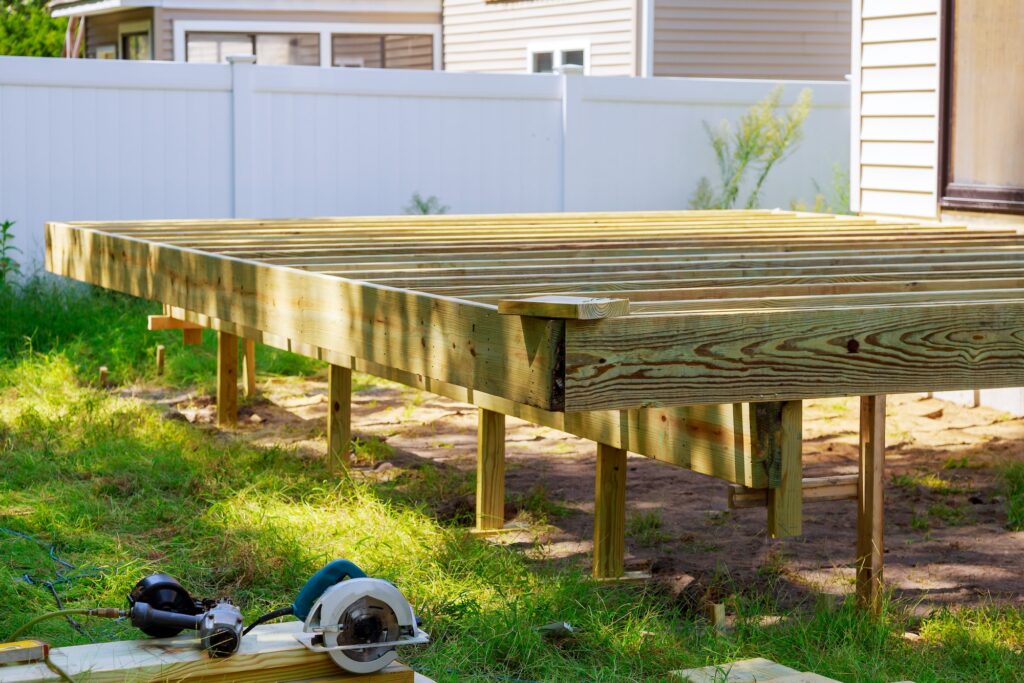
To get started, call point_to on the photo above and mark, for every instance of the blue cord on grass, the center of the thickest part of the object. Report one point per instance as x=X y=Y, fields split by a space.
x=60 y=577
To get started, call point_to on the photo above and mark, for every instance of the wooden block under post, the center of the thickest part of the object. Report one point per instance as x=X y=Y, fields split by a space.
x=870 y=506
x=815 y=489
x=490 y=470
x=339 y=417
x=250 y=368
x=227 y=379
x=777 y=432
x=609 y=512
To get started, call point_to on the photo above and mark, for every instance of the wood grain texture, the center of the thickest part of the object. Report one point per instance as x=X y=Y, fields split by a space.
x=250 y=368
x=490 y=470
x=227 y=379
x=166 y=322
x=710 y=439
x=609 y=512
x=339 y=417
x=815 y=489
x=870 y=503
x=268 y=654
x=784 y=355
x=471 y=345
x=743 y=671
x=567 y=307
x=777 y=434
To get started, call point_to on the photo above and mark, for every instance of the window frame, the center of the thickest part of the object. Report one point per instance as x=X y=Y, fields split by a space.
x=131 y=28
x=962 y=196
x=324 y=29
x=557 y=50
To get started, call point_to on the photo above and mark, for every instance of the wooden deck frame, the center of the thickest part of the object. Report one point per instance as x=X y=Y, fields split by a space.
x=648 y=332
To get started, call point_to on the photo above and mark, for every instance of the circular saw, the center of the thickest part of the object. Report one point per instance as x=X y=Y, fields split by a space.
x=359 y=621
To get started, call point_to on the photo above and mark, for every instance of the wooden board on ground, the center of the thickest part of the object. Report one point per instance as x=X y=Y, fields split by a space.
x=758 y=670
x=269 y=653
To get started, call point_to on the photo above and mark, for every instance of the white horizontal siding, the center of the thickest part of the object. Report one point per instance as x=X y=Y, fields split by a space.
x=496 y=37
x=783 y=39
x=896 y=117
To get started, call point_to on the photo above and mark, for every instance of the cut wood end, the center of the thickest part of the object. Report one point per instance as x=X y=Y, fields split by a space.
x=565 y=307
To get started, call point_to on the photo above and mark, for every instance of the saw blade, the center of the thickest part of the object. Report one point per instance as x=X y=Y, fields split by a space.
x=367 y=621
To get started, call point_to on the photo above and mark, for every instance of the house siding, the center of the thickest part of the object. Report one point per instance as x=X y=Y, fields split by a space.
x=102 y=29
x=165 y=18
x=495 y=36
x=896 y=116
x=783 y=39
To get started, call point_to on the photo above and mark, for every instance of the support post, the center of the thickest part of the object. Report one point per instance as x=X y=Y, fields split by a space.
x=785 y=503
x=870 y=509
x=490 y=470
x=250 y=368
x=339 y=417
x=227 y=379
x=160 y=353
x=609 y=512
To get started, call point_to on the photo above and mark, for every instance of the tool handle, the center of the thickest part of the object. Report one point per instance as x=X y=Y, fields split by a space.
x=334 y=572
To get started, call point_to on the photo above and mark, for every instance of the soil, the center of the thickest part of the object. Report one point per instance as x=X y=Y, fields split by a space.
x=946 y=535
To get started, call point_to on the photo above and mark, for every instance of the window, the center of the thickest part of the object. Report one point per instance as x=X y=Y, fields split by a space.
x=269 y=48
x=545 y=61
x=382 y=51
x=983 y=106
x=134 y=40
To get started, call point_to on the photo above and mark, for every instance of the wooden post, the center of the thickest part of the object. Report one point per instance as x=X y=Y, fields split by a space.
x=339 y=417
x=609 y=512
x=870 y=510
x=490 y=470
x=103 y=375
x=160 y=353
x=227 y=379
x=785 y=503
x=250 y=368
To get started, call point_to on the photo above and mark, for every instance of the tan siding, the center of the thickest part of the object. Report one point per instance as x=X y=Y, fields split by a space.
x=102 y=29
x=494 y=36
x=165 y=19
x=899 y=106
x=802 y=39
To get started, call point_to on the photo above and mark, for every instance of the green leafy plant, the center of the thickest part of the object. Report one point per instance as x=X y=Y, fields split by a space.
x=8 y=266
x=751 y=149
x=835 y=199
x=28 y=30
x=425 y=206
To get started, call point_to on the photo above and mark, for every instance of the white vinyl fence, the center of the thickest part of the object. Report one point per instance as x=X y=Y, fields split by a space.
x=94 y=140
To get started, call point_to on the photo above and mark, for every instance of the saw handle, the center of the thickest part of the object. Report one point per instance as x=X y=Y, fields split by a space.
x=336 y=571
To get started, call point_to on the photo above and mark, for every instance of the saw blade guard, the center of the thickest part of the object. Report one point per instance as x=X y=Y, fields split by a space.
x=360 y=622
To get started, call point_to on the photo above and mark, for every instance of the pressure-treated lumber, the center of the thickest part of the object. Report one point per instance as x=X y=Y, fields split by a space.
x=792 y=354
x=268 y=654
x=870 y=507
x=339 y=417
x=777 y=434
x=709 y=439
x=609 y=512
x=250 y=367
x=166 y=322
x=568 y=307
x=161 y=352
x=490 y=470
x=470 y=345
x=815 y=490
x=192 y=337
x=227 y=379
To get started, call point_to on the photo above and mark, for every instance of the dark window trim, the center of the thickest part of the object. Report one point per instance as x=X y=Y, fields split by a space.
x=963 y=196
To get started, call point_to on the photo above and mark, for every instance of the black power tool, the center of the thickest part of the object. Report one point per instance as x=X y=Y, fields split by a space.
x=160 y=607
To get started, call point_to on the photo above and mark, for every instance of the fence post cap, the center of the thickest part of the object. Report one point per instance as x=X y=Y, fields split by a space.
x=570 y=70
x=241 y=59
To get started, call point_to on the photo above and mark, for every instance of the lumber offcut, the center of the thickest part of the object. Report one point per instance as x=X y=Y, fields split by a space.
x=268 y=654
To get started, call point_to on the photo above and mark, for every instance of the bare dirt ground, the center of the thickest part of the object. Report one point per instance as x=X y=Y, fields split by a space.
x=946 y=541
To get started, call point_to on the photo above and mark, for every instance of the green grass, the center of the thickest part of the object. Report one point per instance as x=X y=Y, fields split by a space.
x=1013 y=479
x=119 y=491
